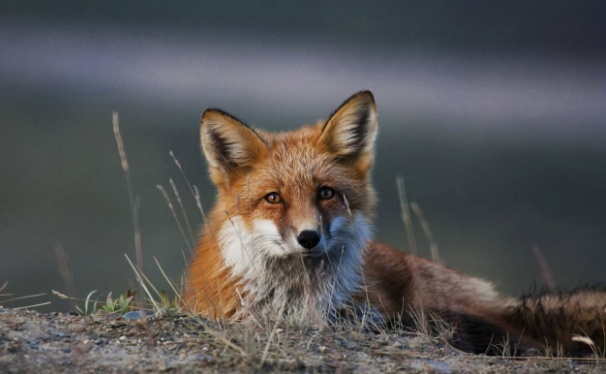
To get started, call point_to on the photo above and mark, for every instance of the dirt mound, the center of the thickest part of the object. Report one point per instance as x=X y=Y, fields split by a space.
x=31 y=342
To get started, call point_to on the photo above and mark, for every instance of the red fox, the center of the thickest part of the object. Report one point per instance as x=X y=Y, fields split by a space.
x=291 y=235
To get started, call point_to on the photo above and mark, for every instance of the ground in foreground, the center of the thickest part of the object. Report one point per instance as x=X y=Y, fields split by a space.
x=50 y=343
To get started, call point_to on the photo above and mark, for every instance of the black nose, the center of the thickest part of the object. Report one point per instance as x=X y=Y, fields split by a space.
x=308 y=238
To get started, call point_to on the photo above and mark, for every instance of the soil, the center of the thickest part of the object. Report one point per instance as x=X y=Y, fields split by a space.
x=32 y=342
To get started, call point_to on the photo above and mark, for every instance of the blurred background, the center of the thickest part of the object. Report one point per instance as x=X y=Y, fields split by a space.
x=493 y=112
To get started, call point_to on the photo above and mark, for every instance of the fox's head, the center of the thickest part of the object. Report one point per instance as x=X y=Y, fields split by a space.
x=294 y=208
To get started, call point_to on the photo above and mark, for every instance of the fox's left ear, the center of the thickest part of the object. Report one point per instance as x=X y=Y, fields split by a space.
x=351 y=130
x=230 y=146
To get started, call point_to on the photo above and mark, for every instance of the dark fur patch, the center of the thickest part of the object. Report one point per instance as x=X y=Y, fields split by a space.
x=475 y=335
x=360 y=131
x=471 y=334
x=221 y=147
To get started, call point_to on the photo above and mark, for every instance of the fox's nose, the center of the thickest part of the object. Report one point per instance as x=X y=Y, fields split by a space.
x=308 y=238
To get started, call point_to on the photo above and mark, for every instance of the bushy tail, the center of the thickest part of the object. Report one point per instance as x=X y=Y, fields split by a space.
x=574 y=321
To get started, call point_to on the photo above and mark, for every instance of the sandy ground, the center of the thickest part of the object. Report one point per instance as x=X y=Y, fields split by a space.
x=31 y=342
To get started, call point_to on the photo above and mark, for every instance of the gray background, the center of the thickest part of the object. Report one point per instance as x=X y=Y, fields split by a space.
x=494 y=112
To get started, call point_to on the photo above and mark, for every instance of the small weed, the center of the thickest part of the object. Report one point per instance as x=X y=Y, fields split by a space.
x=86 y=311
x=120 y=305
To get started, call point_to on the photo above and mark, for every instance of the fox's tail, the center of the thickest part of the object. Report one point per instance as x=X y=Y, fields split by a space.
x=573 y=323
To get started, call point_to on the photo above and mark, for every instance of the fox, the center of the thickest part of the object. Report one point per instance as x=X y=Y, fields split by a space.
x=291 y=235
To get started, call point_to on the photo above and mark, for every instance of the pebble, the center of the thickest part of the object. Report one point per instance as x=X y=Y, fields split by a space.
x=136 y=314
x=60 y=334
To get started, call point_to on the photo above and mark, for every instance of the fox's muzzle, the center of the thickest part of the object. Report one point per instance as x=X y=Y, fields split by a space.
x=308 y=239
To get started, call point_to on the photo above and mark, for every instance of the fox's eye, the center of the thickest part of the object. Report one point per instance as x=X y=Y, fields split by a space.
x=326 y=193
x=273 y=198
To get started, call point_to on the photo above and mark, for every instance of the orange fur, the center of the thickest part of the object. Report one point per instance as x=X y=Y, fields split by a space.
x=210 y=288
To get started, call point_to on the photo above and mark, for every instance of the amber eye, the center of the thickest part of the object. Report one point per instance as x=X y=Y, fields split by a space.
x=273 y=198
x=326 y=193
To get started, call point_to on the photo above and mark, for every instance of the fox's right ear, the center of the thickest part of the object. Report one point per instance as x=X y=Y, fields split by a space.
x=228 y=144
x=351 y=130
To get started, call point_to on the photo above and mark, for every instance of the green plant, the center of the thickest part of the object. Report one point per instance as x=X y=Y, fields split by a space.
x=86 y=311
x=120 y=305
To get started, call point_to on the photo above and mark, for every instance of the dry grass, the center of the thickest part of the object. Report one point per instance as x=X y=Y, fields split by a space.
x=7 y=298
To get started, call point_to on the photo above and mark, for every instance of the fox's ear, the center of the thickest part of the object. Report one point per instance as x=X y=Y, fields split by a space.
x=351 y=130
x=228 y=144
